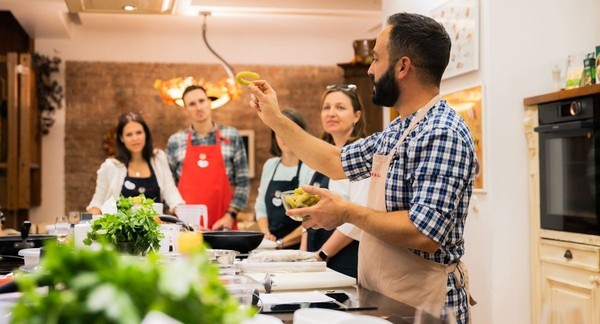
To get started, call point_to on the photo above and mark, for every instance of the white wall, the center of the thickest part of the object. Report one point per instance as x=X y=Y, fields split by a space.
x=520 y=42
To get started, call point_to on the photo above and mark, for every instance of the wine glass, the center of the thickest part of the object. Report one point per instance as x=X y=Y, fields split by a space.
x=62 y=229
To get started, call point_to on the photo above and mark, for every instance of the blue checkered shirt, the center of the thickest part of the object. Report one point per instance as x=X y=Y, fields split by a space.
x=431 y=175
x=234 y=154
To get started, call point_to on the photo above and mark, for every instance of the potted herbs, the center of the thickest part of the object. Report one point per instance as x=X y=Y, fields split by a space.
x=132 y=230
x=100 y=286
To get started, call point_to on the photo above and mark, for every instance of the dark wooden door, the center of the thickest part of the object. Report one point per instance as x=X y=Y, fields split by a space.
x=357 y=74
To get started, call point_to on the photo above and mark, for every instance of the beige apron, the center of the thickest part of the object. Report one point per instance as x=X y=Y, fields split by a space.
x=398 y=272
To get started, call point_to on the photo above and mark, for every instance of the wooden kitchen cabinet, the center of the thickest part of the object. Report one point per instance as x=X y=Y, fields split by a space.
x=20 y=139
x=357 y=74
x=565 y=266
x=570 y=274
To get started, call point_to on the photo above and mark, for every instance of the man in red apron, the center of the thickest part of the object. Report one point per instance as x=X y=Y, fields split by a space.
x=209 y=161
x=421 y=166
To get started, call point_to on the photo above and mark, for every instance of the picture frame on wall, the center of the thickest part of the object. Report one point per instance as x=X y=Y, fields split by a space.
x=460 y=18
x=248 y=138
x=468 y=103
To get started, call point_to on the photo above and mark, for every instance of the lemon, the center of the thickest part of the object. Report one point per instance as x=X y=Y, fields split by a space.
x=189 y=241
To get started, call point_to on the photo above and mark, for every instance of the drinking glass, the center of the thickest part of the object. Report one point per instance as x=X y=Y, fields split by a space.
x=74 y=217
x=62 y=229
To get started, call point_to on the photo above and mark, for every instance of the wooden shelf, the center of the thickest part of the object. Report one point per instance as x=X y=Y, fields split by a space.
x=562 y=95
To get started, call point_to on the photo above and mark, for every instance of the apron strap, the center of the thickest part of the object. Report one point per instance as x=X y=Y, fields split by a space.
x=413 y=123
x=462 y=280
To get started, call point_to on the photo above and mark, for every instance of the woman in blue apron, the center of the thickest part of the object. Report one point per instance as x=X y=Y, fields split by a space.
x=281 y=173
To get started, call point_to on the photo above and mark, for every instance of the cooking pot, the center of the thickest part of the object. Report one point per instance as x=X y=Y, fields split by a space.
x=10 y=245
x=241 y=241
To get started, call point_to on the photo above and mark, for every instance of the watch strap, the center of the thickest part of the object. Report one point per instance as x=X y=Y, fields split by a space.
x=232 y=213
x=323 y=255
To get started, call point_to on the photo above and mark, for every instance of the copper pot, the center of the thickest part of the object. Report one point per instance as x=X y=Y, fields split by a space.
x=363 y=51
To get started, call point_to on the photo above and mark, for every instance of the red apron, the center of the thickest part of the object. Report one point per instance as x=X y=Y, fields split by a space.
x=204 y=180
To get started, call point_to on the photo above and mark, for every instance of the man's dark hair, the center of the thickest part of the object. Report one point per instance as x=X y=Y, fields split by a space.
x=191 y=88
x=423 y=40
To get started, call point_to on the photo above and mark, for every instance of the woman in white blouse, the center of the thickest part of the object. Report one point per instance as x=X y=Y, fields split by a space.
x=342 y=120
x=137 y=168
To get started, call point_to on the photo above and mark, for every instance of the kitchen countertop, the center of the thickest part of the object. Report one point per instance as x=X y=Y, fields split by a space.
x=387 y=308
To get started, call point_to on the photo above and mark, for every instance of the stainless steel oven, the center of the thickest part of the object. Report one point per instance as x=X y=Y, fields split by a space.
x=569 y=135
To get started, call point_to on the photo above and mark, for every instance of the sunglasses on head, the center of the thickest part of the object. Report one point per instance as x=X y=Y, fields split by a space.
x=347 y=87
x=131 y=116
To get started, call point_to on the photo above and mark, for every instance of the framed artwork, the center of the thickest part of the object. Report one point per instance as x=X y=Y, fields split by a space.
x=461 y=20
x=248 y=138
x=468 y=104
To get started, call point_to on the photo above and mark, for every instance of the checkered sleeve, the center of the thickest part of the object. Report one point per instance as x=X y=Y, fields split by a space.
x=176 y=152
x=239 y=169
x=441 y=171
x=357 y=158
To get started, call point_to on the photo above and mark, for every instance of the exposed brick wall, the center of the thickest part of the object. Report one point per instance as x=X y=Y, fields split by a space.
x=98 y=92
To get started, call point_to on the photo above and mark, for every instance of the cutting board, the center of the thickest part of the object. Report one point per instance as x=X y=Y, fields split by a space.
x=275 y=267
x=306 y=280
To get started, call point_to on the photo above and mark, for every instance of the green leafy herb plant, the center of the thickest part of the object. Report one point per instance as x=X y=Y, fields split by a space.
x=132 y=230
x=101 y=286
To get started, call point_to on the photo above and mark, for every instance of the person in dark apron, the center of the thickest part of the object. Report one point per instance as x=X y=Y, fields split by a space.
x=281 y=173
x=343 y=122
x=136 y=169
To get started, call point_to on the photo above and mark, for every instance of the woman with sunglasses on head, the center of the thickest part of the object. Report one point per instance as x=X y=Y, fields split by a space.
x=281 y=173
x=137 y=168
x=343 y=123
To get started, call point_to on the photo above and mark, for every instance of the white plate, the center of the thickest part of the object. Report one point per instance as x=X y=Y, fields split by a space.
x=319 y=316
x=262 y=319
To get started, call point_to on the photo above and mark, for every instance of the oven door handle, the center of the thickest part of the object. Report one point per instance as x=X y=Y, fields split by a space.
x=579 y=124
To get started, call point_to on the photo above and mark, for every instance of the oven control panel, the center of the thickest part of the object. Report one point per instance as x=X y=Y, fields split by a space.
x=567 y=110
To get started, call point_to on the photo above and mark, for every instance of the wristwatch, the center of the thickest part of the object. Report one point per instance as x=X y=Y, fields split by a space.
x=232 y=213
x=279 y=243
x=323 y=255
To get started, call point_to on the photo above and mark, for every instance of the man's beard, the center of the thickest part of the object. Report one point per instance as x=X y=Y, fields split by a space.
x=386 y=91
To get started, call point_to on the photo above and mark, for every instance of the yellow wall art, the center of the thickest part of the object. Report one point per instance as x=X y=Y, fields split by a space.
x=468 y=104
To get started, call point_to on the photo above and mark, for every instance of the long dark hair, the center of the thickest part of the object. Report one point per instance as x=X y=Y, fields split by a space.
x=359 y=130
x=295 y=116
x=123 y=153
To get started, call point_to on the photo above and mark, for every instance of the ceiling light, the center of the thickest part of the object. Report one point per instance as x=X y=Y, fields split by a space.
x=129 y=8
x=220 y=92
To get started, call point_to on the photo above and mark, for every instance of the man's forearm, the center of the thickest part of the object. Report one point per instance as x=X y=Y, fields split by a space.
x=393 y=227
x=316 y=153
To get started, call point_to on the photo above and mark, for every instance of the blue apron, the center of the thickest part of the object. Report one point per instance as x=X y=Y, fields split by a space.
x=345 y=261
x=280 y=224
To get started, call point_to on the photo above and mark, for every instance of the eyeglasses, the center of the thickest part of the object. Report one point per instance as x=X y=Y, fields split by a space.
x=346 y=87
x=130 y=116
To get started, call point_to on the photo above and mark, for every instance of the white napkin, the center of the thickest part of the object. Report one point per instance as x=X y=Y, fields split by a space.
x=294 y=298
x=267 y=245
x=109 y=206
